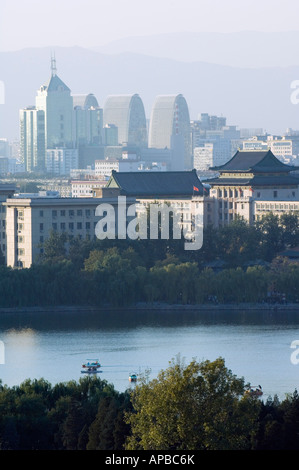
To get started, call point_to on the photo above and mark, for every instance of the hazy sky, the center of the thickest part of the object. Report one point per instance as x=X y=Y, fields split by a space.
x=88 y=23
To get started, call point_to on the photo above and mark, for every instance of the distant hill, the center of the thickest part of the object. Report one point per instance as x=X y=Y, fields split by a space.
x=238 y=49
x=248 y=97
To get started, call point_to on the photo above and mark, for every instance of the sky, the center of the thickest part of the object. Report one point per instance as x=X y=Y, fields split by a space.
x=92 y=23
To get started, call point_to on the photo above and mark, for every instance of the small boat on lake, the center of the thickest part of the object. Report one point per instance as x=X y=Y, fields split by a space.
x=133 y=378
x=91 y=366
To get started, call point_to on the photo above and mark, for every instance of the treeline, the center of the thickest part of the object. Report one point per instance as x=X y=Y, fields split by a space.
x=201 y=406
x=124 y=272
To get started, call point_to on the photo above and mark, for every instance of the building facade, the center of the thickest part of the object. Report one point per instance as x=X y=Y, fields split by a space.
x=170 y=129
x=55 y=100
x=126 y=113
x=88 y=120
x=32 y=139
x=251 y=184
x=29 y=222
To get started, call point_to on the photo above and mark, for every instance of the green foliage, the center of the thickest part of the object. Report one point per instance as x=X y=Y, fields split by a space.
x=199 y=406
x=119 y=273
x=37 y=416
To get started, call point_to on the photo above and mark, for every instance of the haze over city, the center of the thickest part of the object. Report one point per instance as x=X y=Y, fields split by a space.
x=236 y=59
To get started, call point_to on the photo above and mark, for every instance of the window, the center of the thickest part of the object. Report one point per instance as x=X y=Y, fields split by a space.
x=62 y=226
x=87 y=225
x=62 y=213
x=87 y=212
x=71 y=213
x=79 y=225
x=41 y=227
x=71 y=225
x=79 y=212
x=54 y=226
x=274 y=193
x=41 y=213
x=54 y=213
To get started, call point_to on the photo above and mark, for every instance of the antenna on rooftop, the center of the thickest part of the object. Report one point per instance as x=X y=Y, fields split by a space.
x=53 y=65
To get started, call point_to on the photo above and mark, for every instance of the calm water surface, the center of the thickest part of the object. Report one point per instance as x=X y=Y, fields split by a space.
x=255 y=345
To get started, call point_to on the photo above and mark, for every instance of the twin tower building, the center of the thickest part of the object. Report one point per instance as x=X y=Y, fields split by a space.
x=76 y=127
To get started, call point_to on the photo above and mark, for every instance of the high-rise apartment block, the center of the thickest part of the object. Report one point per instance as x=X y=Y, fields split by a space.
x=32 y=130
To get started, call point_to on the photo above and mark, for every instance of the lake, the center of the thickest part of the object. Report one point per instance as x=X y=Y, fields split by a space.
x=256 y=345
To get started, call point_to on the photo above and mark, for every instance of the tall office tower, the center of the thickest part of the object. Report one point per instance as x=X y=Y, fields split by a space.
x=88 y=120
x=126 y=112
x=32 y=139
x=170 y=128
x=55 y=99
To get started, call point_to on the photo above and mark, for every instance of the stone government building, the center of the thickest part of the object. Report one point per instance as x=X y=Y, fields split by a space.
x=249 y=185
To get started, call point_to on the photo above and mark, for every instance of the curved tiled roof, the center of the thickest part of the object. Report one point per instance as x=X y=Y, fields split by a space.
x=157 y=184
x=254 y=161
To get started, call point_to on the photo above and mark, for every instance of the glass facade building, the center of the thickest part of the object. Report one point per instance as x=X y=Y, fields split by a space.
x=56 y=101
x=126 y=112
x=32 y=139
x=170 y=126
x=88 y=120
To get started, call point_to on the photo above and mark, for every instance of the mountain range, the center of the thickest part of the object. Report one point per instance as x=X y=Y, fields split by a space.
x=249 y=93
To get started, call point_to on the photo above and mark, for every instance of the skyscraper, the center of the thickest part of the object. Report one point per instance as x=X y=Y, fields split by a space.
x=32 y=139
x=170 y=128
x=55 y=99
x=48 y=124
x=88 y=120
x=126 y=112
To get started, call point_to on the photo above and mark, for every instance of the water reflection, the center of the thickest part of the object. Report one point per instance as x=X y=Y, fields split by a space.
x=107 y=319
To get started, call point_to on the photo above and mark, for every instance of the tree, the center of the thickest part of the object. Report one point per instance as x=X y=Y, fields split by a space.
x=271 y=232
x=290 y=227
x=194 y=407
x=54 y=247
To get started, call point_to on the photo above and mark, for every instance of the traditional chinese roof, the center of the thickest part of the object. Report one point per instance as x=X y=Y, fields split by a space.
x=160 y=184
x=254 y=162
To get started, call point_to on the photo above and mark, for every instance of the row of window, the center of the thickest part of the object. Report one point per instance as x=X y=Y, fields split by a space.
x=70 y=212
x=286 y=207
x=70 y=226
x=239 y=193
